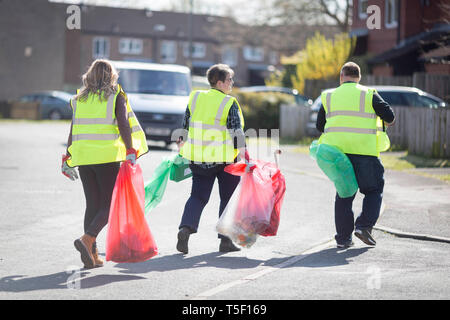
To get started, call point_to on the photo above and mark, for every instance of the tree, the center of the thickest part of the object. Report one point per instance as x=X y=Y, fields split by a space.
x=338 y=12
x=321 y=59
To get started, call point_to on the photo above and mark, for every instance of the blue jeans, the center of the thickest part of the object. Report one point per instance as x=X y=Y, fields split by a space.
x=369 y=174
x=202 y=184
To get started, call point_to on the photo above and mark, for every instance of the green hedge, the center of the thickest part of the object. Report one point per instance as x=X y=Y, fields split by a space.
x=262 y=109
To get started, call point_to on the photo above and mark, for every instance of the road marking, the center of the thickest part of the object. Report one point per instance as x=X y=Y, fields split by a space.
x=266 y=270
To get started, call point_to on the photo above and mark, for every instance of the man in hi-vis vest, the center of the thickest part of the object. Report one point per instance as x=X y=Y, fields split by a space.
x=353 y=118
x=215 y=137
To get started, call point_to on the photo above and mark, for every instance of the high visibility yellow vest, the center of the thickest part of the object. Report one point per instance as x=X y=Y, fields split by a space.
x=208 y=138
x=351 y=122
x=95 y=134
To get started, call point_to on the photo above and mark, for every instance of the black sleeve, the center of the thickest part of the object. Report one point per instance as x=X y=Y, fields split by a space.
x=122 y=120
x=382 y=108
x=321 y=119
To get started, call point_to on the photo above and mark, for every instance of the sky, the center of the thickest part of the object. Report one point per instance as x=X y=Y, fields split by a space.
x=244 y=11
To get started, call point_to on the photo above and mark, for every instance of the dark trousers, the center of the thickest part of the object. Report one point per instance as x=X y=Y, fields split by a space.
x=98 y=185
x=202 y=184
x=369 y=174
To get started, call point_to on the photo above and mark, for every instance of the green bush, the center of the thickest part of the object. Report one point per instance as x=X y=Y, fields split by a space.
x=262 y=109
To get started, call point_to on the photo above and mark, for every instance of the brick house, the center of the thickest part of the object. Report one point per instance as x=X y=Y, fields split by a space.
x=40 y=52
x=409 y=33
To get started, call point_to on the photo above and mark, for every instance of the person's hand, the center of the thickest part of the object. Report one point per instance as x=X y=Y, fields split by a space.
x=249 y=166
x=69 y=172
x=180 y=143
x=131 y=156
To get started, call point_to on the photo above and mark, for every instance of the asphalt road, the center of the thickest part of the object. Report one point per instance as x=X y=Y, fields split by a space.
x=42 y=214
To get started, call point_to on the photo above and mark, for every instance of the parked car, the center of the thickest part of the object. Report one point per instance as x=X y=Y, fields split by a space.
x=158 y=94
x=54 y=105
x=299 y=98
x=394 y=95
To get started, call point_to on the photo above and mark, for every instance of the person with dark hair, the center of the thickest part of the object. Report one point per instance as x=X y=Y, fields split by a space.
x=214 y=124
x=104 y=132
x=353 y=118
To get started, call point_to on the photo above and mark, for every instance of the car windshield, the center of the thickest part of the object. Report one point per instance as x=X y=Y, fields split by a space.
x=155 y=82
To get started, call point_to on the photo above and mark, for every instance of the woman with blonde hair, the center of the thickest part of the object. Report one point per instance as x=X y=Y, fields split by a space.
x=104 y=132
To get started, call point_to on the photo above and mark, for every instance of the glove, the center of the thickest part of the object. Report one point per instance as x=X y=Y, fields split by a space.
x=69 y=172
x=249 y=165
x=131 y=156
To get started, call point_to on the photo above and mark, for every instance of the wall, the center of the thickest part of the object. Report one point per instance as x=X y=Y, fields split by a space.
x=40 y=27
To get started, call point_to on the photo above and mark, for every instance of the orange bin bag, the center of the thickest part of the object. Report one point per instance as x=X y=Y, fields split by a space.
x=128 y=238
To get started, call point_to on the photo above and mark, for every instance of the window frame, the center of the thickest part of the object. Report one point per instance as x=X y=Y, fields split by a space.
x=249 y=53
x=387 y=15
x=106 y=48
x=173 y=57
x=362 y=14
x=131 y=46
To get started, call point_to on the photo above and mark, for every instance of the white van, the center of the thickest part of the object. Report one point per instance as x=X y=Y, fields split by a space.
x=158 y=94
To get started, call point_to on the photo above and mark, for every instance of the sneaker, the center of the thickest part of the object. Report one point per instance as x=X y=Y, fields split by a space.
x=226 y=245
x=183 y=238
x=366 y=236
x=345 y=245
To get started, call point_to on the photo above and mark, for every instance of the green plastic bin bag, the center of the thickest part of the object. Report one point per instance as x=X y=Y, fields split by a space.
x=336 y=166
x=155 y=188
x=180 y=169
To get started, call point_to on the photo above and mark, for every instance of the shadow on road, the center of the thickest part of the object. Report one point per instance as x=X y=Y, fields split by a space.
x=178 y=261
x=325 y=258
x=60 y=280
x=330 y=257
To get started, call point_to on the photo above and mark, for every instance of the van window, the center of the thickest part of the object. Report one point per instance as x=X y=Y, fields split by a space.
x=155 y=82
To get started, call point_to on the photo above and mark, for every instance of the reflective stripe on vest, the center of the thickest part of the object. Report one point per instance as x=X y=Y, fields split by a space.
x=109 y=120
x=352 y=124
x=208 y=138
x=97 y=140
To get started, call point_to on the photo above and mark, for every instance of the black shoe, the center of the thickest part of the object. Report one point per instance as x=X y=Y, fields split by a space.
x=183 y=238
x=226 y=245
x=345 y=245
x=366 y=236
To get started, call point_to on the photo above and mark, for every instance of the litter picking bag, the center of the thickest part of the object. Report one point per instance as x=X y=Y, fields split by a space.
x=254 y=208
x=128 y=236
x=175 y=167
x=180 y=169
x=278 y=188
x=336 y=166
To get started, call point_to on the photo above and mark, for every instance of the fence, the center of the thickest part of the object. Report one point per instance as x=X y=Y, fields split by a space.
x=421 y=131
x=436 y=84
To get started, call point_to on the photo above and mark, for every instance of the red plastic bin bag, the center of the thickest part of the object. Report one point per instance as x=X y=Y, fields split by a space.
x=128 y=238
x=268 y=169
x=249 y=209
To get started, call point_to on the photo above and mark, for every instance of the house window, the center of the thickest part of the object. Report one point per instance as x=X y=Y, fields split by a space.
x=100 y=48
x=391 y=9
x=253 y=53
x=130 y=46
x=168 y=51
x=229 y=55
x=362 y=9
x=273 y=58
x=198 y=50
